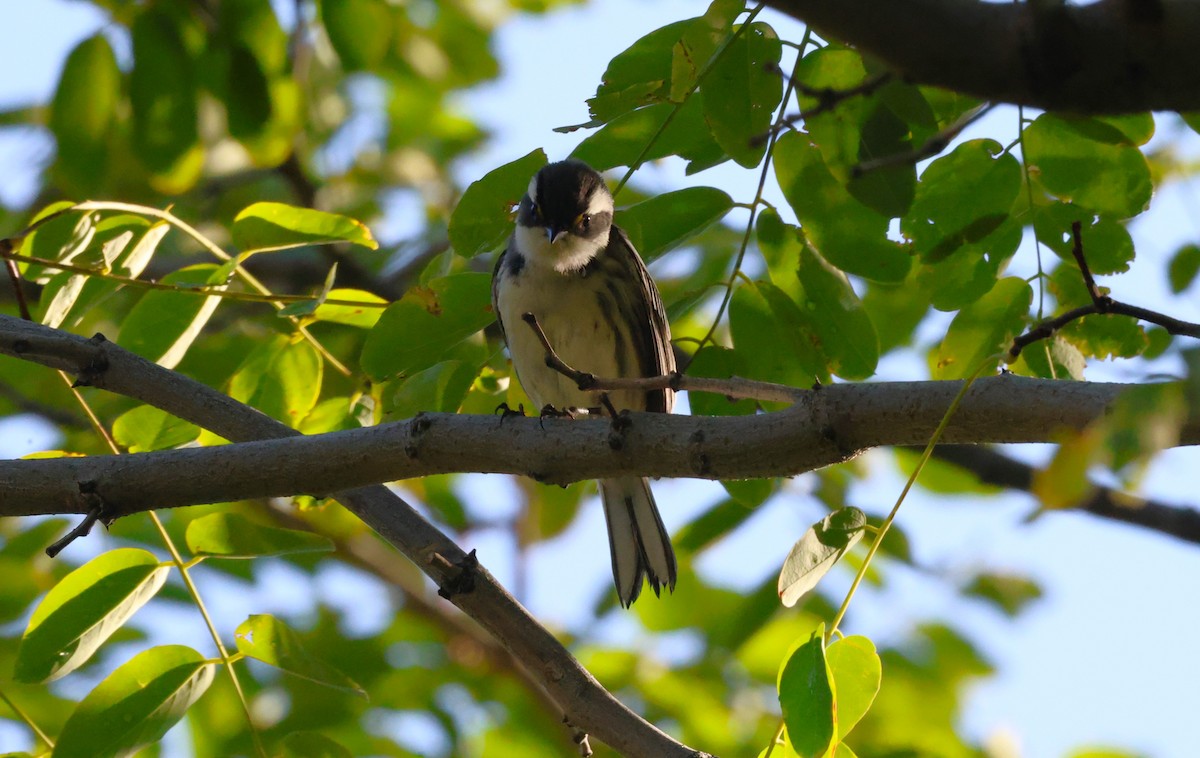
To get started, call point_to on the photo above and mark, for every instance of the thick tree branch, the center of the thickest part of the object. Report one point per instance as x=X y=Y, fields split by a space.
x=992 y=467
x=565 y=681
x=1111 y=56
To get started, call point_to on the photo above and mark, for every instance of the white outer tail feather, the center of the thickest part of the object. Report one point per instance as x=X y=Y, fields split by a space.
x=639 y=543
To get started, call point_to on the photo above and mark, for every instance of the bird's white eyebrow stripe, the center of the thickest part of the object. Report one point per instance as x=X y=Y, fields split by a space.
x=531 y=190
x=601 y=202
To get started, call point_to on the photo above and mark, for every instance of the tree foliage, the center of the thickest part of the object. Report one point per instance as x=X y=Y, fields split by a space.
x=214 y=208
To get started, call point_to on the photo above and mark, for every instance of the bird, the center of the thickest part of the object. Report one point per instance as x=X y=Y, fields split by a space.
x=580 y=277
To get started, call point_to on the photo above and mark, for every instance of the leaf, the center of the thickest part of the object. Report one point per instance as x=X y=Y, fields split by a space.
x=962 y=198
x=267 y=639
x=81 y=116
x=483 y=218
x=638 y=75
x=717 y=362
x=228 y=535
x=1184 y=266
x=361 y=316
x=848 y=234
x=1079 y=159
x=276 y=226
x=359 y=30
x=806 y=697
x=313 y=744
x=665 y=221
x=415 y=332
x=1106 y=243
x=847 y=336
x=817 y=551
x=741 y=92
x=983 y=329
x=621 y=142
x=440 y=388
x=147 y=428
x=281 y=378
x=1008 y=592
x=83 y=610
x=163 y=324
x=857 y=674
x=163 y=93
x=246 y=94
x=772 y=336
x=137 y=704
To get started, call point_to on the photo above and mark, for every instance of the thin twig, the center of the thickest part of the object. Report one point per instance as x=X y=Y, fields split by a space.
x=827 y=99
x=932 y=146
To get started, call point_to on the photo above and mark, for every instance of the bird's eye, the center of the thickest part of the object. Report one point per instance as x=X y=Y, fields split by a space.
x=535 y=212
x=585 y=221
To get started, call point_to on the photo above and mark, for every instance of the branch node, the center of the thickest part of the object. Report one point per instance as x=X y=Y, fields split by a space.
x=97 y=512
x=463 y=582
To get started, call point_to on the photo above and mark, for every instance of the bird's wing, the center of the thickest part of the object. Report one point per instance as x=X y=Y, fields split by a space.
x=653 y=345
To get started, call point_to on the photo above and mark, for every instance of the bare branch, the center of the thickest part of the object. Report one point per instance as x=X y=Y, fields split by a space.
x=1111 y=56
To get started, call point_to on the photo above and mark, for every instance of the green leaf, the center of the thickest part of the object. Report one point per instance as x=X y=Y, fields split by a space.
x=817 y=551
x=281 y=378
x=81 y=116
x=848 y=234
x=313 y=744
x=1184 y=266
x=1079 y=159
x=1053 y=358
x=1008 y=592
x=622 y=141
x=361 y=316
x=1107 y=245
x=841 y=323
x=886 y=189
x=741 y=92
x=415 y=332
x=483 y=218
x=711 y=525
x=983 y=329
x=276 y=226
x=267 y=639
x=137 y=704
x=836 y=131
x=246 y=94
x=857 y=673
x=359 y=30
x=665 y=221
x=228 y=535
x=147 y=428
x=972 y=271
x=696 y=46
x=638 y=75
x=806 y=697
x=717 y=362
x=772 y=336
x=962 y=198
x=163 y=93
x=440 y=388
x=163 y=324
x=83 y=610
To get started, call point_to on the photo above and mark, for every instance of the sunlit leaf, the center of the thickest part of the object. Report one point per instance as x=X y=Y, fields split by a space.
x=806 y=696
x=416 y=331
x=163 y=324
x=666 y=221
x=622 y=141
x=163 y=93
x=146 y=428
x=848 y=234
x=817 y=551
x=841 y=323
x=741 y=92
x=362 y=316
x=83 y=610
x=228 y=535
x=360 y=31
x=267 y=639
x=281 y=378
x=983 y=329
x=137 y=704
x=857 y=674
x=276 y=226
x=483 y=218
x=1184 y=266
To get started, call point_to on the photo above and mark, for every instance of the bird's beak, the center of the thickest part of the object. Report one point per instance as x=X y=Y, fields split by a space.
x=553 y=234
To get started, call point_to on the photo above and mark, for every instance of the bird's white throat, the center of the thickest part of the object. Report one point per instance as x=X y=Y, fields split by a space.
x=569 y=253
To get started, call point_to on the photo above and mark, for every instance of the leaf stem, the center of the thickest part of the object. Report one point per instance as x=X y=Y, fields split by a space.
x=27 y=720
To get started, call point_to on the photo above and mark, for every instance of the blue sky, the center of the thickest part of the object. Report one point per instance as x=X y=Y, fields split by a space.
x=1106 y=658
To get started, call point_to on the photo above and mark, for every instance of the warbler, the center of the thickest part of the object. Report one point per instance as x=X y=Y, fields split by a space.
x=578 y=274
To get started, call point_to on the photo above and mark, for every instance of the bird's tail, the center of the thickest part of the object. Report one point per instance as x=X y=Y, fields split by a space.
x=639 y=543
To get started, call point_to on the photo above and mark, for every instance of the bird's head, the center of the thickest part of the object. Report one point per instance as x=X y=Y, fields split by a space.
x=566 y=215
